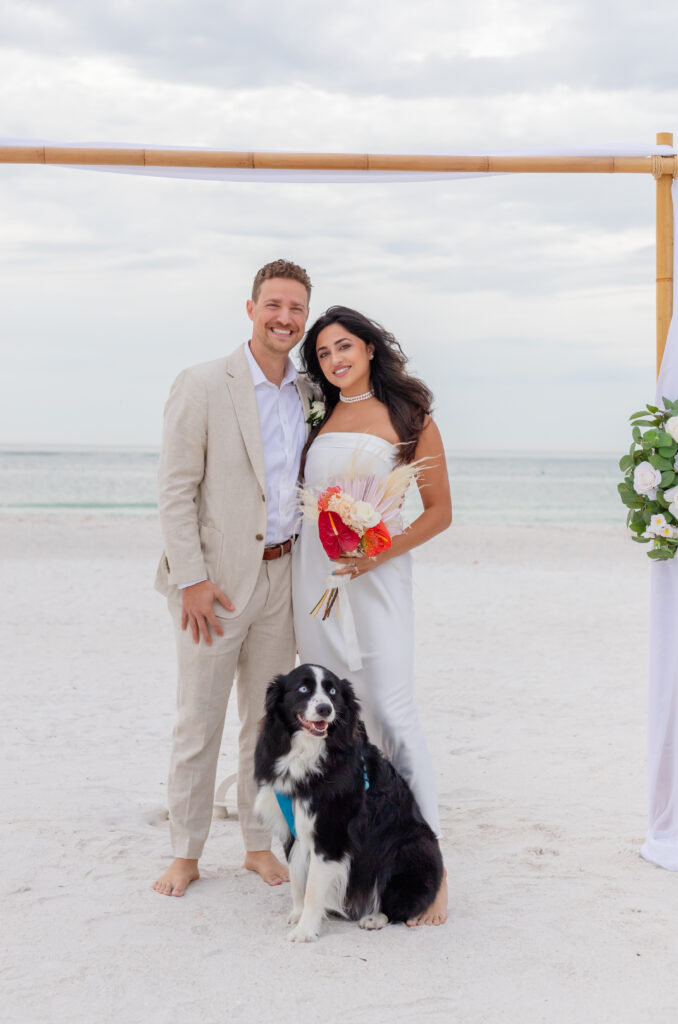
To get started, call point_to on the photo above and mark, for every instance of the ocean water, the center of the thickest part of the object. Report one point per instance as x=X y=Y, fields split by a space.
x=513 y=488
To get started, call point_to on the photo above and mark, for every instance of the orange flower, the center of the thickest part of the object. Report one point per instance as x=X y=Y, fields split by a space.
x=375 y=540
x=324 y=498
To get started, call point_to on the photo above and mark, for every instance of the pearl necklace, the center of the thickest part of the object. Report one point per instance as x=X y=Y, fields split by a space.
x=356 y=398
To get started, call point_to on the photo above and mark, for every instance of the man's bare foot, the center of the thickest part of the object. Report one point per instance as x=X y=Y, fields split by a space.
x=178 y=876
x=266 y=865
x=437 y=912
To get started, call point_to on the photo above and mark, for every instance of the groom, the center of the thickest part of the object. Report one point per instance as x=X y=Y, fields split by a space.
x=233 y=434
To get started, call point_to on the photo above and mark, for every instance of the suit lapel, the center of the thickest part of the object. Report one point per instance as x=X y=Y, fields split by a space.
x=241 y=387
x=306 y=396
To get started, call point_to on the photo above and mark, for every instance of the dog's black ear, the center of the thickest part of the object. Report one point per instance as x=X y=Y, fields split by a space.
x=351 y=703
x=275 y=694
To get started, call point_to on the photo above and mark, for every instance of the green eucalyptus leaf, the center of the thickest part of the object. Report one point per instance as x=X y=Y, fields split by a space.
x=637 y=436
x=641 y=540
x=656 y=438
x=625 y=462
x=660 y=555
x=668 y=478
x=659 y=463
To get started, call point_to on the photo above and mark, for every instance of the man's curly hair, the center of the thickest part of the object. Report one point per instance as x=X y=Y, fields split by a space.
x=281 y=268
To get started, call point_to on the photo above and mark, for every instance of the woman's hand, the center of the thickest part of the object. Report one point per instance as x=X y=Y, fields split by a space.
x=355 y=565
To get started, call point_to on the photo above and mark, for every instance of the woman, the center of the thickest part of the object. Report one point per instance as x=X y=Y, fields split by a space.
x=376 y=415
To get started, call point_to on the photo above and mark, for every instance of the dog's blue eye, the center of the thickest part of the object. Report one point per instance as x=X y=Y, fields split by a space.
x=303 y=689
x=332 y=692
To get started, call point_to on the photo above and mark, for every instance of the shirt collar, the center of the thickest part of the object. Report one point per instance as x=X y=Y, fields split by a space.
x=258 y=375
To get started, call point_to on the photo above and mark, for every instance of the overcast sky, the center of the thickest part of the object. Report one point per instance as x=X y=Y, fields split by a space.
x=526 y=302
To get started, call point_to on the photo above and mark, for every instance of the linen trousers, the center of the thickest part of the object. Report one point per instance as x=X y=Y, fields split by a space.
x=258 y=643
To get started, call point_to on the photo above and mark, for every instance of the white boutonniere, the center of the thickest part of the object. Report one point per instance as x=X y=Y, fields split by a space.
x=316 y=412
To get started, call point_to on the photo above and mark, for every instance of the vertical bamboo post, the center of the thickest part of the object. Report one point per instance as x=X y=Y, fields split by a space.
x=664 y=177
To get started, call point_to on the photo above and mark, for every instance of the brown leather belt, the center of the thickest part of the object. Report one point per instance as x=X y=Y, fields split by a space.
x=277 y=550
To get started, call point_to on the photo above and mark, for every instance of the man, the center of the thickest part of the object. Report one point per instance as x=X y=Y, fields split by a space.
x=232 y=440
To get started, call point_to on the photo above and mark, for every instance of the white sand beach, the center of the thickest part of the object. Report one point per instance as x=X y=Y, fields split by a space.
x=531 y=681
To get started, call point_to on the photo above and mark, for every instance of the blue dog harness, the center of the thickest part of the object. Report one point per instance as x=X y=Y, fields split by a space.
x=285 y=802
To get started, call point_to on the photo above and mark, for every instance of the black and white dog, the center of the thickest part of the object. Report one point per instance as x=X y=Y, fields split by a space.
x=354 y=837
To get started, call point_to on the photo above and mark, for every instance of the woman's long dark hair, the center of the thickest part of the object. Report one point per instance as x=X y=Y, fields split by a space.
x=407 y=399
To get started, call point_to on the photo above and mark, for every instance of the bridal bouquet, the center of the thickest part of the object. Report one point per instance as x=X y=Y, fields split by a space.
x=356 y=515
x=650 y=486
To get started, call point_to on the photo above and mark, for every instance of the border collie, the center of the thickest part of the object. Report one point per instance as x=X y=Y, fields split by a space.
x=354 y=837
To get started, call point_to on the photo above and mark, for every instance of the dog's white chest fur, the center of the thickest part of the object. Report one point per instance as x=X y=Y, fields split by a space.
x=304 y=758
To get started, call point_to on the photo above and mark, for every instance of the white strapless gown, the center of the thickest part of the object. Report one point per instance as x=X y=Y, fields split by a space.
x=383 y=613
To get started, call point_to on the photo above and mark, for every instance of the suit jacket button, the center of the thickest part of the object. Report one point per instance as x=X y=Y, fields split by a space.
x=260 y=536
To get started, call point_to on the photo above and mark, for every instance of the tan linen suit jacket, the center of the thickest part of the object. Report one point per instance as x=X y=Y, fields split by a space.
x=211 y=479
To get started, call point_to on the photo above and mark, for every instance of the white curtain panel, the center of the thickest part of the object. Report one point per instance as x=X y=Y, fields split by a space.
x=661 y=843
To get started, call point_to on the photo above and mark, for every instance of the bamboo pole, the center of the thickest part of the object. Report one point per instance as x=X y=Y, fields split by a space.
x=664 y=176
x=113 y=156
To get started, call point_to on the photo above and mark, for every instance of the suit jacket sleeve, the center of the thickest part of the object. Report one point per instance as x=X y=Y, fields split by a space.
x=180 y=473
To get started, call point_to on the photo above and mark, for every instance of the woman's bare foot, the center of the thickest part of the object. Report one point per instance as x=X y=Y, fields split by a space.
x=437 y=912
x=178 y=876
x=266 y=865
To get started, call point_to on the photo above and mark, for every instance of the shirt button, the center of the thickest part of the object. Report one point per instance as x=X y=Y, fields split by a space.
x=260 y=536
x=263 y=497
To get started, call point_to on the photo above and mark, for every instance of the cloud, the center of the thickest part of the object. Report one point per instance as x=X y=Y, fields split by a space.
x=511 y=294
x=436 y=49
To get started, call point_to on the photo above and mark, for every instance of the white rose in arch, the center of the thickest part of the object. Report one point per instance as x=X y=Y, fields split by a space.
x=671 y=427
x=646 y=478
x=673 y=509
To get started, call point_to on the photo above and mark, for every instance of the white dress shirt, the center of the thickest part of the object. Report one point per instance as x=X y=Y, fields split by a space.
x=283 y=435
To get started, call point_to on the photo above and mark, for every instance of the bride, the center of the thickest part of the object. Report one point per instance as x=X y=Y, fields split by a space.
x=375 y=414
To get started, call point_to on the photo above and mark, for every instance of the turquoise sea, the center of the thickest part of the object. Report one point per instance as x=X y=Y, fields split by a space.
x=512 y=487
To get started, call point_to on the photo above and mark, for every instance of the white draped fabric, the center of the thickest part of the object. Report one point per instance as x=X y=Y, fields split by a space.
x=661 y=843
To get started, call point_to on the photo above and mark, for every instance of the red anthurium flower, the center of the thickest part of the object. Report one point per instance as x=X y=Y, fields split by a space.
x=335 y=536
x=376 y=539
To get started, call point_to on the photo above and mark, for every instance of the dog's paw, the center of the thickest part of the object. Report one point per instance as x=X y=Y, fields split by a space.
x=294 y=915
x=373 y=922
x=302 y=933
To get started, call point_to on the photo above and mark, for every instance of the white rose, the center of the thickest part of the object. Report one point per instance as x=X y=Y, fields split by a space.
x=675 y=463
x=363 y=517
x=646 y=478
x=317 y=408
x=673 y=509
x=671 y=427
x=670 y=494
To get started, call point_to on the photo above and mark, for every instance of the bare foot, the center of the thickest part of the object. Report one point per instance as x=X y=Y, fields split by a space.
x=178 y=876
x=437 y=912
x=266 y=865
